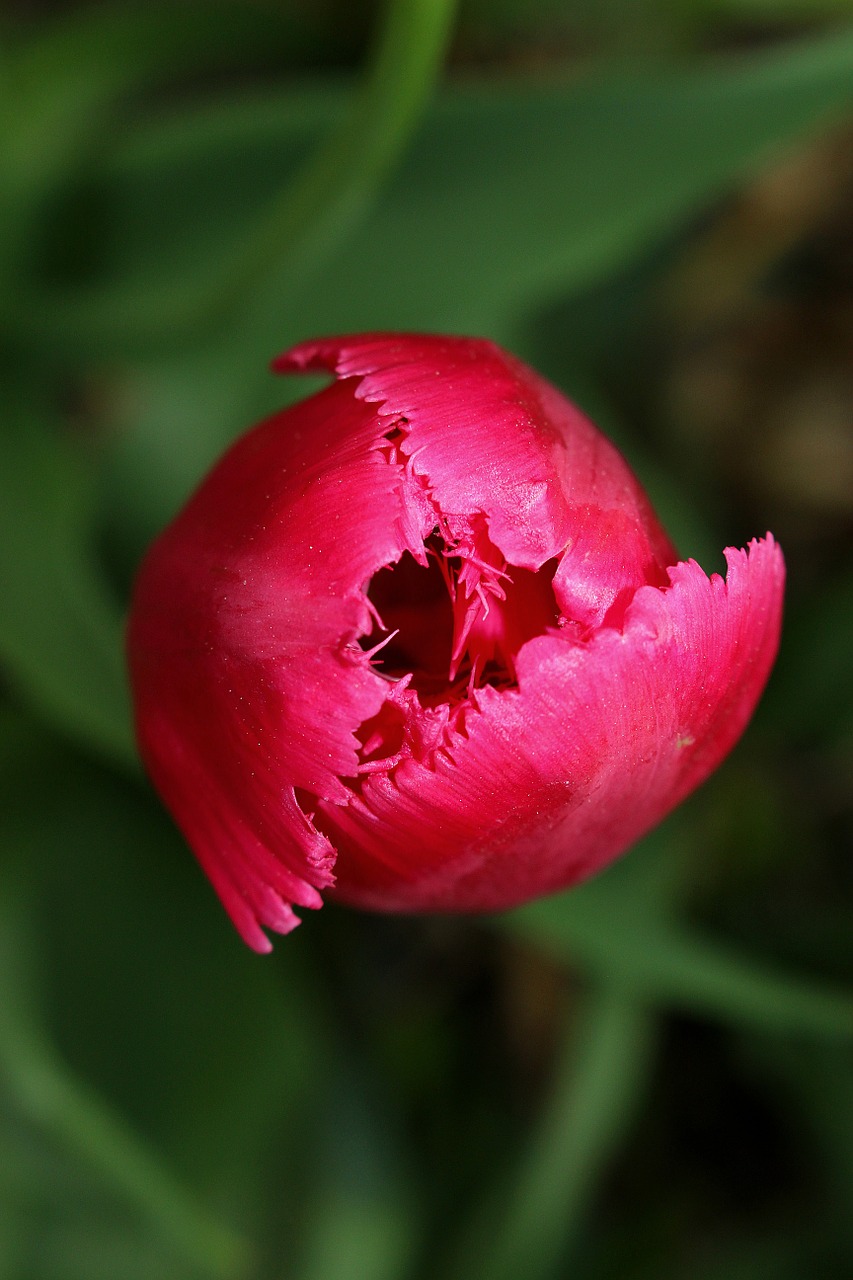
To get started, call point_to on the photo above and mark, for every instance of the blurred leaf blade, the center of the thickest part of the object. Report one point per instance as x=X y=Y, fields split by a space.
x=363 y=1220
x=527 y=1226
x=315 y=208
x=140 y=1043
x=63 y=82
x=60 y=630
x=47 y=1094
x=132 y=940
x=607 y=934
x=584 y=175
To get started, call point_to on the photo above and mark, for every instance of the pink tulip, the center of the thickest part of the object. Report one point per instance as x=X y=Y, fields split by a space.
x=421 y=642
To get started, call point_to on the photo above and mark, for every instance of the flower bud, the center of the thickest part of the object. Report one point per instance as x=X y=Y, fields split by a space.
x=421 y=644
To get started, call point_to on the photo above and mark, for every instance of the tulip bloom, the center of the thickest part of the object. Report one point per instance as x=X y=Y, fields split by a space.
x=421 y=643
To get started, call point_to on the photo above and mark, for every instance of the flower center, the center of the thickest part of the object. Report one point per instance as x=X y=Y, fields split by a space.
x=415 y=608
x=457 y=621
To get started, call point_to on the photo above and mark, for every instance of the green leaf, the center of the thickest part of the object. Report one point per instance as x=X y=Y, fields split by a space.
x=305 y=218
x=139 y=1036
x=205 y=1047
x=607 y=930
x=361 y=1216
x=521 y=194
x=48 y=1095
x=527 y=1223
x=60 y=630
x=61 y=85
x=508 y=194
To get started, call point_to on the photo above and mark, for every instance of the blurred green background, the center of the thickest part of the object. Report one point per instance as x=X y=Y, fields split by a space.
x=650 y=201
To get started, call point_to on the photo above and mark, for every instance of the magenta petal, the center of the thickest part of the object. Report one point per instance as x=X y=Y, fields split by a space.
x=249 y=682
x=490 y=435
x=548 y=784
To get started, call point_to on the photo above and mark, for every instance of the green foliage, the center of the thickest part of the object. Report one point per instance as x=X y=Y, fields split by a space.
x=615 y=930
x=60 y=632
x=381 y=1099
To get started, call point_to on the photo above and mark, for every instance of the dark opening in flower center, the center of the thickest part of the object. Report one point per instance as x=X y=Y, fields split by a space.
x=458 y=620
x=414 y=604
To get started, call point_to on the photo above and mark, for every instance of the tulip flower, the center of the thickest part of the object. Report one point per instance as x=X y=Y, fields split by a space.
x=420 y=643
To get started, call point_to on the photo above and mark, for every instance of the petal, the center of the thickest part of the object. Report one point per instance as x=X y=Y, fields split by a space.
x=548 y=784
x=489 y=435
x=249 y=683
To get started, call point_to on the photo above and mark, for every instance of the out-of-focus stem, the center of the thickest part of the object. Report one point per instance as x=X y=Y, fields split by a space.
x=529 y=1222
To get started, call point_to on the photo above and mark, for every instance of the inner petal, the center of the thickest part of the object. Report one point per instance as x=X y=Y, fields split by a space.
x=526 y=608
x=457 y=619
